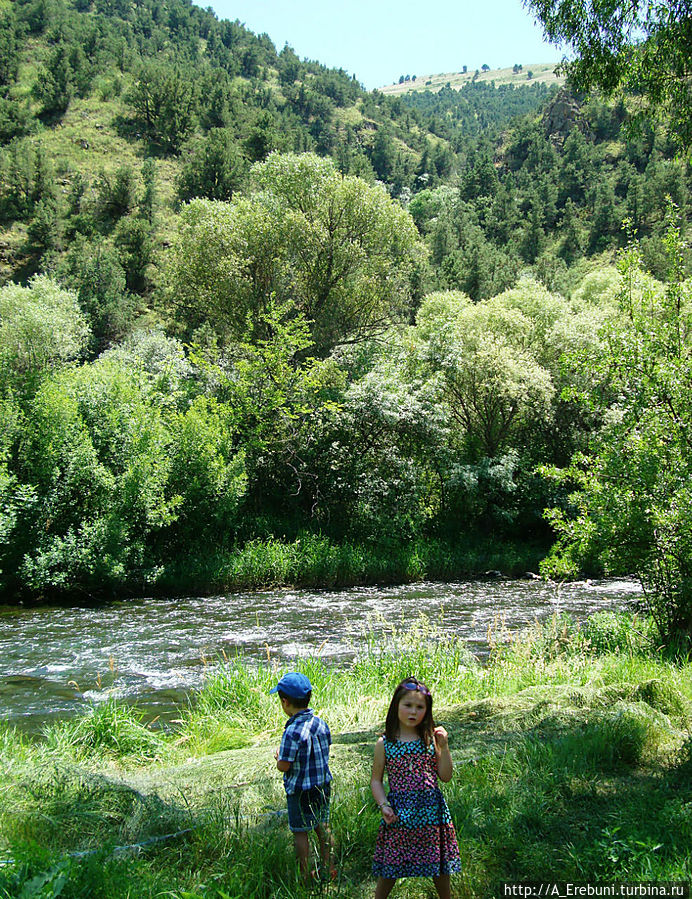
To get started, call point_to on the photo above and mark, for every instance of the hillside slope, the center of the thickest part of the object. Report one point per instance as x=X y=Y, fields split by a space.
x=540 y=73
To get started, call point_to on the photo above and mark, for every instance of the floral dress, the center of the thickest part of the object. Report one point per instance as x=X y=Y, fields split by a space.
x=422 y=842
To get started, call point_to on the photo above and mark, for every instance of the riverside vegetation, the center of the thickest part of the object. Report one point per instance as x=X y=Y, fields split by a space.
x=572 y=754
x=260 y=325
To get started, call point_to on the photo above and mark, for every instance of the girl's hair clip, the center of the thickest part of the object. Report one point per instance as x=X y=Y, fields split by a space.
x=411 y=685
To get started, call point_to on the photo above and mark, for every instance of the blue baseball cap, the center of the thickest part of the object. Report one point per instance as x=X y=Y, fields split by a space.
x=293 y=684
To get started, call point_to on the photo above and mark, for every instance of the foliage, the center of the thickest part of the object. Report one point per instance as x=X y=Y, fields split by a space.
x=632 y=499
x=161 y=362
x=95 y=451
x=208 y=472
x=115 y=196
x=640 y=47
x=305 y=403
x=113 y=478
x=133 y=241
x=163 y=101
x=338 y=249
x=375 y=455
x=214 y=169
x=41 y=328
x=489 y=377
x=93 y=269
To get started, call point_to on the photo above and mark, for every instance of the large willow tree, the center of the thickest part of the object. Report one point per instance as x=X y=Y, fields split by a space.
x=341 y=252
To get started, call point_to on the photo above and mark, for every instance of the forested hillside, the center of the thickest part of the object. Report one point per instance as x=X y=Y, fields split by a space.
x=245 y=301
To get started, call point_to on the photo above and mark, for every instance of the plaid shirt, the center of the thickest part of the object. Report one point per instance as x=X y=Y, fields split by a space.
x=305 y=743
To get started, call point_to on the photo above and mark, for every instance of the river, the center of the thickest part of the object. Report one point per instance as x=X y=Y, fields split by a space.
x=55 y=661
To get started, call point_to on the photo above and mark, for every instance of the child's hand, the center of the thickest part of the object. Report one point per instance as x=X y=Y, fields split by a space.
x=276 y=754
x=389 y=815
x=441 y=737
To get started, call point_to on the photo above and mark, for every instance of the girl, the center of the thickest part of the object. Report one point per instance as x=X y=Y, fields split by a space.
x=416 y=836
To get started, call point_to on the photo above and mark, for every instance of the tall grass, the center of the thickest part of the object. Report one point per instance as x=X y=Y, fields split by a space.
x=572 y=760
x=315 y=561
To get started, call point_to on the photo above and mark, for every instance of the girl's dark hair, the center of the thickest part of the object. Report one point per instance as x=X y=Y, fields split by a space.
x=426 y=727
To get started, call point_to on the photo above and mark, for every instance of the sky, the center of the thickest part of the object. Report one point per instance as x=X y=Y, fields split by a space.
x=379 y=40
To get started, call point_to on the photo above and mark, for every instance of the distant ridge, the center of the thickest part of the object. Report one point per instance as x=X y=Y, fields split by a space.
x=543 y=73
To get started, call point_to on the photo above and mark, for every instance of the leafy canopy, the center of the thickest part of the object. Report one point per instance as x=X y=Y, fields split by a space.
x=632 y=502
x=41 y=327
x=642 y=47
x=338 y=249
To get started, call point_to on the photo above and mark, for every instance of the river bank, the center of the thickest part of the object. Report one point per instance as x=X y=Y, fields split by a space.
x=572 y=762
x=310 y=561
x=316 y=561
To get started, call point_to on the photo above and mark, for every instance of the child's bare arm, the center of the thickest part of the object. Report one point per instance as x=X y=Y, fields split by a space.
x=377 y=786
x=281 y=764
x=444 y=757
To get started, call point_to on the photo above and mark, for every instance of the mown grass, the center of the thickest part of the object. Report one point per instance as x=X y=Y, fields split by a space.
x=572 y=757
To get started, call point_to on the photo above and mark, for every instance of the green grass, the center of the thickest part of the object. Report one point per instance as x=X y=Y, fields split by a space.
x=315 y=561
x=572 y=756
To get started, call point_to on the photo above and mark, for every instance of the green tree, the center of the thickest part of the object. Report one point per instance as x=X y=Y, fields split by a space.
x=273 y=392
x=214 y=169
x=478 y=268
x=162 y=363
x=208 y=473
x=533 y=236
x=16 y=119
x=606 y=222
x=641 y=47
x=147 y=206
x=572 y=243
x=289 y=66
x=377 y=453
x=54 y=87
x=383 y=155
x=43 y=232
x=491 y=379
x=133 y=240
x=92 y=268
x=17 y=170
x=631 y=507
x=339 y=250
x=41 y=329
x=116 y=195
x=95 y=451
x=9 y=48
x=163 y=99
x=263 y=137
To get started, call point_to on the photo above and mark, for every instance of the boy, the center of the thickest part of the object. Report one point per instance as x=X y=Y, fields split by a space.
x=303 y=757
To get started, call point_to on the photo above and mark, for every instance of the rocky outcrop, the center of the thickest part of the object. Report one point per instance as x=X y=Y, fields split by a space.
x=562 y=116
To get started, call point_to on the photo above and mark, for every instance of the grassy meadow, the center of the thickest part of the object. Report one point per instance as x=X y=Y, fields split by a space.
x=543 y=73
x=572 y=751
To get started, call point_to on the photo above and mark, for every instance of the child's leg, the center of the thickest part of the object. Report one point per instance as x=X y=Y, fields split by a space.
x=302 y=846
x=324 y=838
x=384 y=887
x=442 y=886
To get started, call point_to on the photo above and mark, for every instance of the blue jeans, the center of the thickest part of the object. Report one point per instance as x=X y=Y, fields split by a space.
x=308 y=808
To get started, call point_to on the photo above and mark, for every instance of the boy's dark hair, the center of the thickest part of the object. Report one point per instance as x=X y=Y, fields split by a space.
x=297 y=703
x=426 y=727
